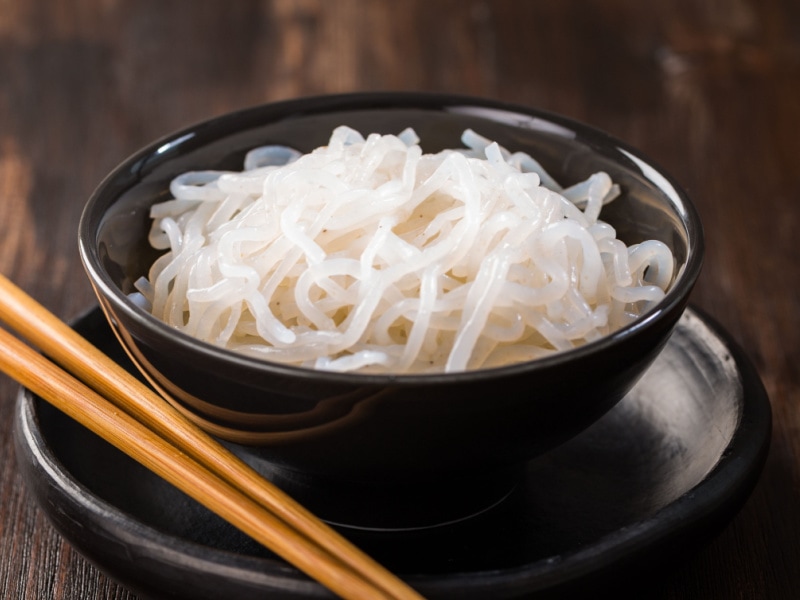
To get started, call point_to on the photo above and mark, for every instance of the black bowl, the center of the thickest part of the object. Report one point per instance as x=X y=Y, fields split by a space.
x=348 y=442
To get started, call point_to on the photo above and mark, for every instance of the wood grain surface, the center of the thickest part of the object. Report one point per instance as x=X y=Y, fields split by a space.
x=709 y=89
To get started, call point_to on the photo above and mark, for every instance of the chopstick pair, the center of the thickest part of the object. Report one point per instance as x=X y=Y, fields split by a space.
x=108 y=400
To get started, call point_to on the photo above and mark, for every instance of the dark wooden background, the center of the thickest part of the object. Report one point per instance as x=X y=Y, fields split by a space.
x=710 y=89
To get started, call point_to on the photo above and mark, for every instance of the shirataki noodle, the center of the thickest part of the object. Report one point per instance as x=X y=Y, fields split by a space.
x=369 y=255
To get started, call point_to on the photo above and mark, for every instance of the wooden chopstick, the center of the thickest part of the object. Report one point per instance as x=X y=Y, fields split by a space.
x=247 y=500
x=91 y=410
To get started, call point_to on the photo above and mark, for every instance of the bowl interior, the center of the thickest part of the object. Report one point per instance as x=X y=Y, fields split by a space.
x=117 y=221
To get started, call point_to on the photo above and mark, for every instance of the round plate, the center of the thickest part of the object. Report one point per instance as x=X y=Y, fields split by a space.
x=661 y=472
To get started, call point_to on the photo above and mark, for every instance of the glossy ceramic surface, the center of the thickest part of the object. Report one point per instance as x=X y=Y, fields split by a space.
x=389 y=433
x=609 y=510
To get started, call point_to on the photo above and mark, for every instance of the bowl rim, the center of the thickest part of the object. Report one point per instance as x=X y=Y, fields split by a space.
x=263 y=114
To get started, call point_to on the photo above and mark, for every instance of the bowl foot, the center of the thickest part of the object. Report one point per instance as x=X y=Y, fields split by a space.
x=403 y=505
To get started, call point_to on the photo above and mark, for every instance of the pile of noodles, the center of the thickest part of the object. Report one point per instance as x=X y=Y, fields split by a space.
x=367 y=254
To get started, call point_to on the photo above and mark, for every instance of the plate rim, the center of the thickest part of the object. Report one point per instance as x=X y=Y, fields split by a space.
x=715 y=499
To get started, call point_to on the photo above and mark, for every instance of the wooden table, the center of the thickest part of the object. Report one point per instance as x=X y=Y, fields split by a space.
x=710 y=90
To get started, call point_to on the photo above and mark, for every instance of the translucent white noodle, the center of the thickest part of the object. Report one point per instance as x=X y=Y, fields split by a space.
x=369 y=255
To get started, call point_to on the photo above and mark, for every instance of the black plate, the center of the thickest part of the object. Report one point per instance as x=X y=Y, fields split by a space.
x=659 y=474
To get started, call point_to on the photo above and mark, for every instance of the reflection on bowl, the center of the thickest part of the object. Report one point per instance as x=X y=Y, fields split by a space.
x=456 y=435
